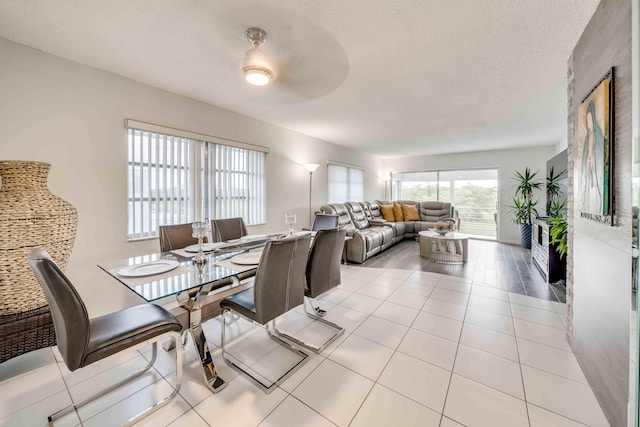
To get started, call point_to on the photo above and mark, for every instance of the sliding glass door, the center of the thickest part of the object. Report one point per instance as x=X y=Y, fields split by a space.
x=473 y=192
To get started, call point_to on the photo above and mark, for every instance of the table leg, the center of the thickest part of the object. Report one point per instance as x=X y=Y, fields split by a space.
x=211 y=378
x=209 y=371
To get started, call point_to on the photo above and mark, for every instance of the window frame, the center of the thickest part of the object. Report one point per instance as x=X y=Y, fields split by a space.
x=199 y=176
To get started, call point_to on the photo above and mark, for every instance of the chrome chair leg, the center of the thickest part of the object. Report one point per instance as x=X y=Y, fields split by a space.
x=154 y=349
x=171 y=344
x=315 y=306
x=267 y=388
x=316 y=349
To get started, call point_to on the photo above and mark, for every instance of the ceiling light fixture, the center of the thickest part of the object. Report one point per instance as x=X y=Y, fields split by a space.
x=257 y=67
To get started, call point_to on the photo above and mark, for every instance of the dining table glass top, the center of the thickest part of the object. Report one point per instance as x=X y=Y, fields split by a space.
x=185 y=276
x=141 y=275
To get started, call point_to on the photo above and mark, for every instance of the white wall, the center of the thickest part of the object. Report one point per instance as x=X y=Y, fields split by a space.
x=506 y=161
x=561 y=146
x=71 y=116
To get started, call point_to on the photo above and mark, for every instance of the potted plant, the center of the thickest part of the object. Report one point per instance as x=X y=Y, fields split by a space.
x=555 y=206
x=524 y=207
x=558 y=233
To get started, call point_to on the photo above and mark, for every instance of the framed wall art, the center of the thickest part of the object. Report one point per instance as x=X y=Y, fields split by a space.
x=595 y=154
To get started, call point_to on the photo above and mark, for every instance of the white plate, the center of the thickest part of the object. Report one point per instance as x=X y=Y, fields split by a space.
x=206 y=247
x=254 y=237
x=149 y=268
x=249 y=258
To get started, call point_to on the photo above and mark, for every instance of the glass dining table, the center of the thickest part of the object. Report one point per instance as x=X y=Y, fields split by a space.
x=189 y=283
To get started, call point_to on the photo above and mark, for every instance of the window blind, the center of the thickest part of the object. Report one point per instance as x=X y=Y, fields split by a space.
x=175 y=180
x=234 y=183
x=345 y=183
x=160 y=182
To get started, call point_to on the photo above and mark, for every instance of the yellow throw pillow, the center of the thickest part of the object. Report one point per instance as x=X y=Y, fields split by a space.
x=387 y=213
x=397 y=211
x=410 y=213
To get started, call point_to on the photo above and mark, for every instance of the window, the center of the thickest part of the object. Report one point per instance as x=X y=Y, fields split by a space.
x=345 y=183
x=235 y=183
x=473 y=193
x=175 y=179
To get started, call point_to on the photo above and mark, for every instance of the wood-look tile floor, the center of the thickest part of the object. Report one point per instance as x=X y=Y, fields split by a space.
x=507 y=267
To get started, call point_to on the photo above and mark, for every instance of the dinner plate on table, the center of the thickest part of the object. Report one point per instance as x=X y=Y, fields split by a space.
x=250 y=237
x=149 y=268
x=248 y=258
x=206 y=247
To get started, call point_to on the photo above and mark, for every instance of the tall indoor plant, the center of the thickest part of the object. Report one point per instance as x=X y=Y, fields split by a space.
x=556 y=202
x=524 y=207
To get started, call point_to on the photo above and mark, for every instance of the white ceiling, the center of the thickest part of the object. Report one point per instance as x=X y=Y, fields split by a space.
x=392 y=77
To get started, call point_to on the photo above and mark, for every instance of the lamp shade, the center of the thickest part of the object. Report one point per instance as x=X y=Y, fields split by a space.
x=311 y=167
x=257 y=68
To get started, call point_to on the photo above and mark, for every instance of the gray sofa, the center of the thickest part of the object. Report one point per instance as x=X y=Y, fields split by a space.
x=371 y=234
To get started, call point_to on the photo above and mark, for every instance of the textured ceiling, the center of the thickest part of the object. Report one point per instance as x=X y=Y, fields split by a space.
x=392 y=77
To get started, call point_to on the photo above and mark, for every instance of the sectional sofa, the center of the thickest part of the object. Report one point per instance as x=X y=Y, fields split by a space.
x=372 y=234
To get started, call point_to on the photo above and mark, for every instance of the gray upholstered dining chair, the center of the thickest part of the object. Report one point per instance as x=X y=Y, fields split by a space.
x=277 y=288
x=83 y=341
x=176 y=237
x=228 y=229
x=322 y=274
x=324 y=221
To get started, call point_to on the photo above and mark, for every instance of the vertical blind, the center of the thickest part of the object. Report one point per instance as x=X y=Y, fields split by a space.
x=160 y=182
x=345 y=183
x=175 y=180
x=234 y=183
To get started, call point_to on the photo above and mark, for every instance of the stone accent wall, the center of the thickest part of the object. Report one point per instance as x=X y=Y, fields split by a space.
x=599 y=263
x=570 y=155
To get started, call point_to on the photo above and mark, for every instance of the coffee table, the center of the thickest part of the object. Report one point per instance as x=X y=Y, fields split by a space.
x=451 y=248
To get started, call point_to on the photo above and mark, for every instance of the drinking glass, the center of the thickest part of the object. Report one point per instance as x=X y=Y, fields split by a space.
x=199 y=231
x=290 y=219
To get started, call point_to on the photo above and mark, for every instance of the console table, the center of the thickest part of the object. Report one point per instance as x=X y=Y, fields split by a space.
x=451 y=248
x=544 y=254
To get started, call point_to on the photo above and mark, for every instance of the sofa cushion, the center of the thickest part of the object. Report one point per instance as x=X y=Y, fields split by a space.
x=387 y=212
x=419 y=226
x=410 y=227
x=374 y=237
x=358 y=215
x=374 y=209
x=434 y=211
x=399 y=228
x=410 y=213
x=397 y=212
x=344 y=220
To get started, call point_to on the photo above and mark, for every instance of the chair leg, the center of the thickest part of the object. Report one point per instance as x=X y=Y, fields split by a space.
x=316 y=349
x=171 y=344
x=316 y=307
x=155 y=406
x=267 y=388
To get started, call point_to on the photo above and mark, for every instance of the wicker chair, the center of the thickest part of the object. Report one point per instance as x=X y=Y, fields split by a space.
x=24 y=332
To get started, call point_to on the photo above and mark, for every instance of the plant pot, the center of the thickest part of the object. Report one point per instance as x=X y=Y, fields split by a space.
x=30 y=217
x=525 y=235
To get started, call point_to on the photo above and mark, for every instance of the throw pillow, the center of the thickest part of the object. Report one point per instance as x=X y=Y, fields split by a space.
x=397 y=211
x=387 y=213
x=410 y=213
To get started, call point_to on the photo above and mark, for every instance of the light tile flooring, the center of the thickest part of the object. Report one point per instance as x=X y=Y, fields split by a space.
x=421 y=349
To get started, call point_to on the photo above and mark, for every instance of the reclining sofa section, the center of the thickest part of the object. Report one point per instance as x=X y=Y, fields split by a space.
x=372 y=234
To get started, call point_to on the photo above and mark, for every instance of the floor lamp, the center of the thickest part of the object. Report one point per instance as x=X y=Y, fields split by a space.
x=310 y=167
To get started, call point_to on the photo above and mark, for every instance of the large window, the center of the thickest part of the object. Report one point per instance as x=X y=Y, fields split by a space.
x=473 y=193
x=173 y=179
x=346 y=183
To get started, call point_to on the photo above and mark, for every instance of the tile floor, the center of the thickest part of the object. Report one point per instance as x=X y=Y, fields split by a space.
x=421 y=349
x=507 y=267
